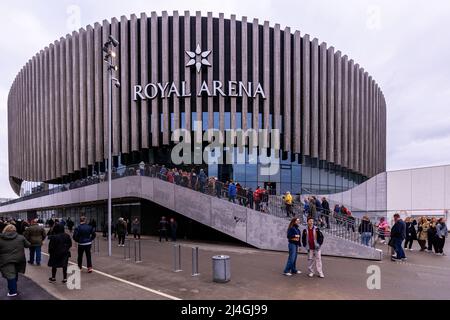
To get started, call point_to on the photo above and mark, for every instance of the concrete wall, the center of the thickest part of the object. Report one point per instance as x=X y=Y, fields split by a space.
x=260 y=230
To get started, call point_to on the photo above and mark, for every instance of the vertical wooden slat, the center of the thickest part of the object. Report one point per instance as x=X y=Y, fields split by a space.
x=90 y=96
x=52 y=124
x=69 y=82
x=187 y=71
x=76 y=100
x=57 y=99
x=277 y=78
x=106 y=31
x=47 y=112
x=287 y=108
x=63 y=105
x=306 y=102
x=41 y=114
x=351 y=103
x=34 y=133
x=198 y=75
x=338 y=107
x=165 y=76
x=317 y=101
x=99 y=94
x=345 y=111
x=83 y=100
x=134 y=80
x=144 y=78
x=266 y=61
x=330 y=106
x=244 y=50
x=297 y=85
x=154 y=71
x=255 y=50
x=233 y=66
x=222 y=69
x=356 y=118
x=322 y=102
x=210 y=29
x=125 y=84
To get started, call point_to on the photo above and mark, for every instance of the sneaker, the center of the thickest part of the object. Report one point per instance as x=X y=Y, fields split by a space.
x=11 y=295
x=288 y=274
x=90 y=270
x=64 y=281
x=311 y=275
x=81 y=268
x=52 y=280
x=298 y=272
x=404 y=259
x=321 y=276
x=395 y=259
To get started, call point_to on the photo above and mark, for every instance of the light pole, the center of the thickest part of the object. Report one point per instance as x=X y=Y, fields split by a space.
x=110 y=54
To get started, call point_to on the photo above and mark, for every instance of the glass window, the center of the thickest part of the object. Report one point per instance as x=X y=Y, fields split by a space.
x=323 y=177
x=205 y=123
x=286 y=174
x=296 y=174
x=315 y=176
x=183 y=120
x=260 y=121
x=285 y=187
x=213 y=170
x=227 y=120
x=194 y=121
x=249 y=120
x=239 y=173
x=251 y=172
x=216 y=120
x=238 y=120
x=306 y=175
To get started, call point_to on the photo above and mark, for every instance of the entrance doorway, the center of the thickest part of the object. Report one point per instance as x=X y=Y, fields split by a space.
x=271 y=187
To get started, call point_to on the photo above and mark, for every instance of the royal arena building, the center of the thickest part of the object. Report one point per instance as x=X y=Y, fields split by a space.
x=184 y=71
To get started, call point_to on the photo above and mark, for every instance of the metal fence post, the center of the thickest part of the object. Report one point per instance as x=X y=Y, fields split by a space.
x=195 y=262
x=177 y=258
x=137 y=251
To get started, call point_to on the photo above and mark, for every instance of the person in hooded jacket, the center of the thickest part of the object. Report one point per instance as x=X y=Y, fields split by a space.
x=59 y=250
x=12 y=257
x=411 y=233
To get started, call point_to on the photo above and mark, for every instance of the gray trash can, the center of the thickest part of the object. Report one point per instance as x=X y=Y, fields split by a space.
x=221 y=269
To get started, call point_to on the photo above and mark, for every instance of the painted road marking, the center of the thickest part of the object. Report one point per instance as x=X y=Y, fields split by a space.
x=128 y=282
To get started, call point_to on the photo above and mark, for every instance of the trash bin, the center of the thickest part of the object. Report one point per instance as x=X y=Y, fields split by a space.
x=221 y=269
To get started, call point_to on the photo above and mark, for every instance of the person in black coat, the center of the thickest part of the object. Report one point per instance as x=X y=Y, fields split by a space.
x=59 y=250
x=411 y=233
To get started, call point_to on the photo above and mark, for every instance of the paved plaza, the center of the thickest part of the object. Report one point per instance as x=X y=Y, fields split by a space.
x=256 y=274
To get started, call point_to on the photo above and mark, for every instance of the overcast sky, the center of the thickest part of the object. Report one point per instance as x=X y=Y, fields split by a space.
x=404 y=45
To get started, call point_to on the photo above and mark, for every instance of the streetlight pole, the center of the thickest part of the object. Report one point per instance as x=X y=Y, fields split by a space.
x=109 y=56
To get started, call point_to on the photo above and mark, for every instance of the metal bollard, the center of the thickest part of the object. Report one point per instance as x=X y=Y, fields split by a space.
x=137 y=251
x=177 y=258
x=195 y=272
x=127 y=246
x=96 y=246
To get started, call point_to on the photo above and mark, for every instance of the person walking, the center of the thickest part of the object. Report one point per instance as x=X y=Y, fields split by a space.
x=383 y=229
x=232 y=192
x=218 y=188
x=84 y=235
x=293 y=235
x=326 y=212
x=173 y=229
x=312 y=240
x=36 y=236
x=313 y=210
x=411 y=233
x=289 y=201
x=432 y=235
x=398 y=235
x=121 y=229
x=163 y=224
x=422 y=231
x=365 y=229
x=441 y=235
x=136 y=228
x=70 y=224
x=12 y=257
x=250 y=198
x=59 y=250
x=202 y=179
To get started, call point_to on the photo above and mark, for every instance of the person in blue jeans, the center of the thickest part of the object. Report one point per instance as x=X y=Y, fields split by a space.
x=366 y=231
x=293 y=236
x=398 y=235
x=35 y=235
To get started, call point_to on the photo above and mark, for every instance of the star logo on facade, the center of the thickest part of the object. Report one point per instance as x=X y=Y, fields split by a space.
x=198 y=59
